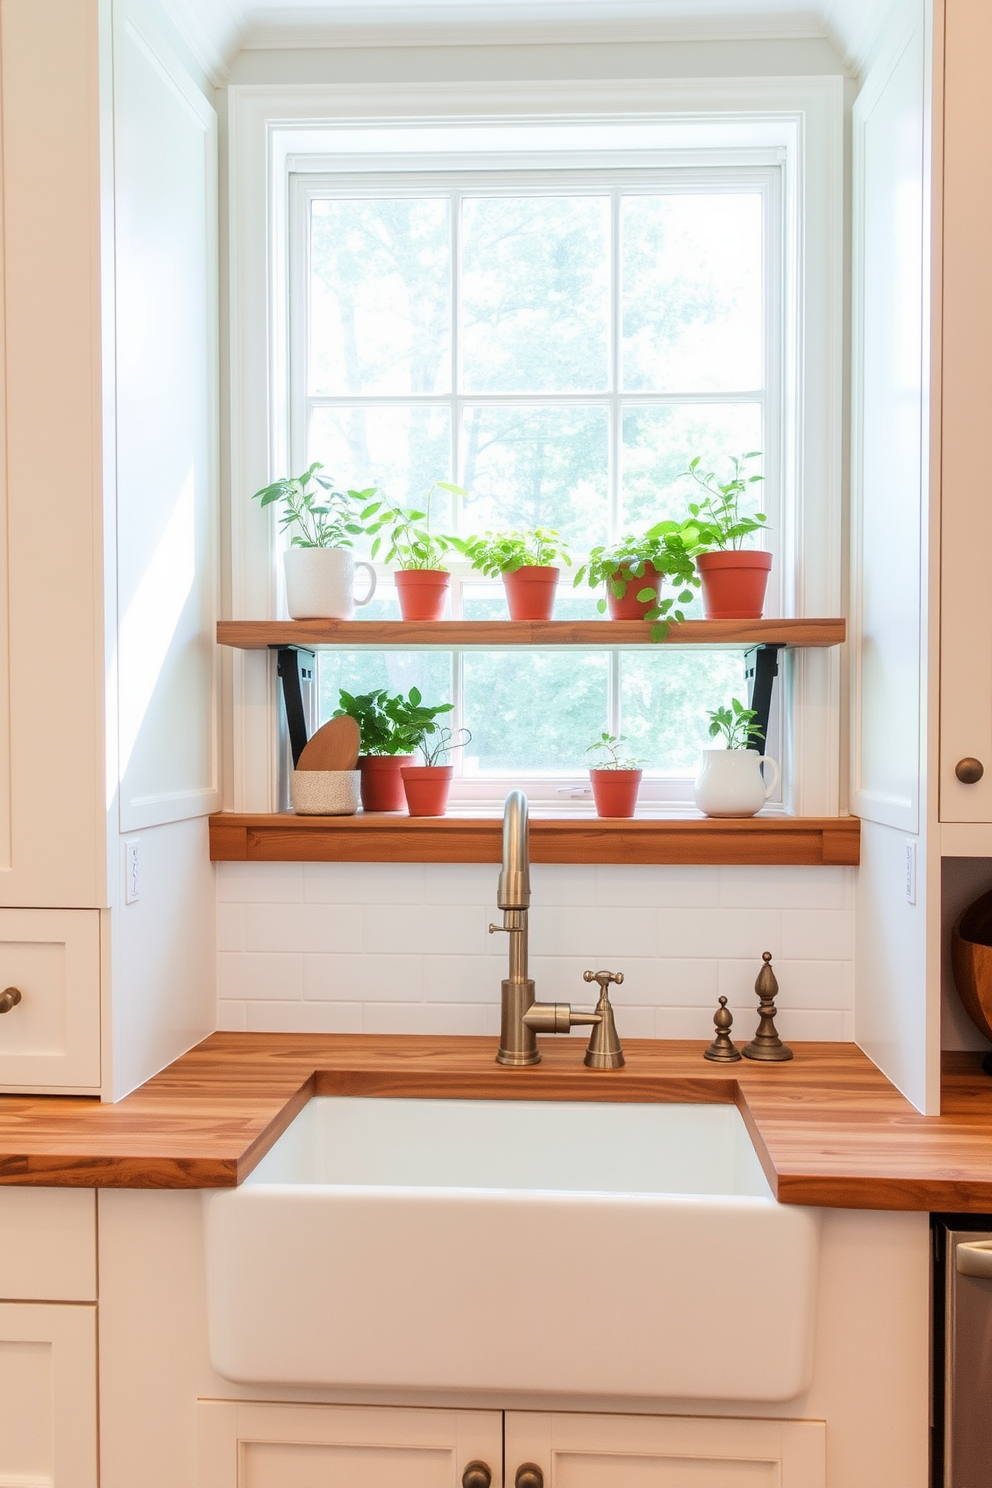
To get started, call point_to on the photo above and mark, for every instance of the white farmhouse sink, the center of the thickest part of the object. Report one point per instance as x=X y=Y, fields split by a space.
x=513 y=1246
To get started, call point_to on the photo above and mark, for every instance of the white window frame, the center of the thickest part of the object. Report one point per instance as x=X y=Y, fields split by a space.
x=800 y=121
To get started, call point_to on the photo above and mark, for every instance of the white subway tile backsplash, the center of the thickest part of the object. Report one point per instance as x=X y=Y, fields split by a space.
x=261 y=883
x=257 y=976
x=429 y=1017
x=802 y=984
x=461 y=883
x=602 y=933
x=303 y=927
x=362 y=883
x=718 y=933
x=786 y=888
x=425 y=929
x=362 y=978
x=305 y=1017
x=232 y=1017
x=572 y=885
x=823 y=934
x=230 y=926
x=405 y=947
x=657 y=886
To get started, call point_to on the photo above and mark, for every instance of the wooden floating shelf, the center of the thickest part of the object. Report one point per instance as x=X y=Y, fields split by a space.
x=260 y=635
x=373 y=837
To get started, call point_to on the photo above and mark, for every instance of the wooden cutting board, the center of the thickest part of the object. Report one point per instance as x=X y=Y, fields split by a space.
x=333 y=747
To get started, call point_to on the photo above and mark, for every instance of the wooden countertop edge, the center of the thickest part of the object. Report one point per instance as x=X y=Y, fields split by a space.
x=829 y=1129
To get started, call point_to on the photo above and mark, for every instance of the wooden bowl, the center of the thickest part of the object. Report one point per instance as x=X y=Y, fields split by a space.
x=971 y=960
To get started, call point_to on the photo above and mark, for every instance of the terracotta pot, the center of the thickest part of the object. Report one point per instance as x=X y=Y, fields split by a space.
x=734 y=583
x=629 y=607
x=530 y=591
x=427 y=788
x=382 y=784
x=971 y=961
x=615 y=791
x=422 y=592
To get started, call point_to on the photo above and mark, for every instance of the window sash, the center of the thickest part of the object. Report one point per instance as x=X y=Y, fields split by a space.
x=764 y=179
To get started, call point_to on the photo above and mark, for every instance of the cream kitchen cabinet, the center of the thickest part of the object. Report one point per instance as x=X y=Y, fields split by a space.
x=613 y=1451
x=50 y=1037
x=48 y=1353
x=248 y=1445
x=108 y=531
x=243 y=1444
x=966 y=362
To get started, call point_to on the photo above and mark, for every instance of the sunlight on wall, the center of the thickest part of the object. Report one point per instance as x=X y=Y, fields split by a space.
x=151 y=619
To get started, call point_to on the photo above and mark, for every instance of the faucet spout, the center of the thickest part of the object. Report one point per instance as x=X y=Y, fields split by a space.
x=523 y=1017
x=513 y=891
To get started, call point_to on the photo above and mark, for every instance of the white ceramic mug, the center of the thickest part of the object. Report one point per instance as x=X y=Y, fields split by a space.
x=730 y=782
x=320 y=583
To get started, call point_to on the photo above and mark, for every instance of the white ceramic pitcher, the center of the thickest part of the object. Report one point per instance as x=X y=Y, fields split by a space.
x=730 y=782
x=320 y=583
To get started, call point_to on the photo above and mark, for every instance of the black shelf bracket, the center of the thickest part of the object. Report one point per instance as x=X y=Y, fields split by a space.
x=295 y=667
x=760 y=671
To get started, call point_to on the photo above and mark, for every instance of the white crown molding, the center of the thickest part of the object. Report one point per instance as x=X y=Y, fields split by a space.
x=491 y=22
x=855 y=27
x=211 y=29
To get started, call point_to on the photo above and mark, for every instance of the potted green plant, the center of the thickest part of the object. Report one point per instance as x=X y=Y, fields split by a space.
x=525 y=561
x=422 y=579
x=633 y=570
x=322 y=521
x=392 y=727
x=734 y=578
x=616 y=778
x=731 y=781
x=427 y=785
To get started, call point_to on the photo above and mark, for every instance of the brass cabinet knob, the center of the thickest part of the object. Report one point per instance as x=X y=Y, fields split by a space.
x=969 y=771
x=9 y=998
x=477 y=1475
x=529 y=1475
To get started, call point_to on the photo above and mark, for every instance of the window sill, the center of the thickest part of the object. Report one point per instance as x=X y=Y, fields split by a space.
x=375 y=837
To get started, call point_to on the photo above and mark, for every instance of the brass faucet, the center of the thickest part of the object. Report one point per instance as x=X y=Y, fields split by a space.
x=523 y=1018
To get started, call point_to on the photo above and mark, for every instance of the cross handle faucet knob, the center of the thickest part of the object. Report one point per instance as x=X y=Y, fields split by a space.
x=604 y=978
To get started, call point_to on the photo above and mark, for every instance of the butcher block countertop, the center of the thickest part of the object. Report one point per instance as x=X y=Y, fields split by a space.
x=829 y=1128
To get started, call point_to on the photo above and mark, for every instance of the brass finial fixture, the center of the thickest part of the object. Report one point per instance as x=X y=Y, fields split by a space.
x=766 y=1043
x=723 y=1049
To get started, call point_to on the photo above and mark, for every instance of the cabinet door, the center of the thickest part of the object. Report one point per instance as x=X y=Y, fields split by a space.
x=578 y=1451
x=50 y=1041
x=244 y=1445
x=47 y=1396
x=966 y=332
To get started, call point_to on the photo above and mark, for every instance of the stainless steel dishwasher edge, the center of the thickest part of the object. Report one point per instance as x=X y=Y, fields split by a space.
x=961 y=1379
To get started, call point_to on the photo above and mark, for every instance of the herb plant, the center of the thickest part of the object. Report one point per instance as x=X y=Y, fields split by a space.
x=411 y=542
x=497 y=553
x=615 y=757
x=392 y=723
x=667 y=546
x=434 y=749
x=717 y=515
x=326 y=518
x=736 y=724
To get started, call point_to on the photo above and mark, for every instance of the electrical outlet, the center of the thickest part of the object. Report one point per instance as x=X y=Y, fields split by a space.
x=911 y=872
x=132 y=883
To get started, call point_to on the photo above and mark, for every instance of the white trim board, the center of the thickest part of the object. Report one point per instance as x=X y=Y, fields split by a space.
x=803 y=116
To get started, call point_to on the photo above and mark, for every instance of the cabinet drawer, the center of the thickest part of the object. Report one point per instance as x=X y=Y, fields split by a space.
x=48 y=1245
x=50 y=1041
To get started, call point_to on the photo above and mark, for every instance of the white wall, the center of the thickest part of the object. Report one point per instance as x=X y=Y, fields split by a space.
x=404 y=948
x=897 y=988
x=161 y=500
